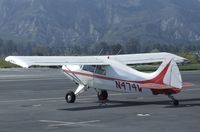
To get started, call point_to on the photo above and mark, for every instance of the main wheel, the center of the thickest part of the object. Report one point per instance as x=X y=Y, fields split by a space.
x=70 y=97
x=176 y=102
x=102 y=95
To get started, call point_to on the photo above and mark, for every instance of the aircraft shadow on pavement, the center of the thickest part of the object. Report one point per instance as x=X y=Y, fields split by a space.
x=189 y=103
x=117 y=104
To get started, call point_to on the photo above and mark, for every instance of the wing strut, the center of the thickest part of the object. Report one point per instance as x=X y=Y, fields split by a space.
x=81 y=86
x=75 y=77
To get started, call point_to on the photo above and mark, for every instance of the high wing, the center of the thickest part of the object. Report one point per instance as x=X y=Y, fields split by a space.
x=27 y=61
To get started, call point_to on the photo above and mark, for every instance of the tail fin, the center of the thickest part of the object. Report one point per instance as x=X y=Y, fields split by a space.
x=168 y=73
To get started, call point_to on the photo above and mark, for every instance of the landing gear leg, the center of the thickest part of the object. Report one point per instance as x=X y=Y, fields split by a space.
x=70 y=97
x=175 y=102
x=102 y=96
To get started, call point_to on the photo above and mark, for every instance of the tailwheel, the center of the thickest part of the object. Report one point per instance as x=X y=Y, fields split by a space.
x=102 y=95
x=70 y=97
x=175 y=102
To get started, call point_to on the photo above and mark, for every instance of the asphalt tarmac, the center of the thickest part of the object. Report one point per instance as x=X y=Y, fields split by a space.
x=32 y=100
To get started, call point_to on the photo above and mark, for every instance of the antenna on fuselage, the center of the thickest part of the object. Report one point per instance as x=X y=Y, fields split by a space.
x=100 y=52
x=119 y=51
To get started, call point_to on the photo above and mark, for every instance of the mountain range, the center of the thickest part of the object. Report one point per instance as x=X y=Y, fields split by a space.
x=84 y=22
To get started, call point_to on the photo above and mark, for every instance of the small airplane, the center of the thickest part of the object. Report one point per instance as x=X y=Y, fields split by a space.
x=113 y=73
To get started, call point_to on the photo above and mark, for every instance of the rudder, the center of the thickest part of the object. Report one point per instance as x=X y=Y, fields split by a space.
x=168 y=74
x=173 y=76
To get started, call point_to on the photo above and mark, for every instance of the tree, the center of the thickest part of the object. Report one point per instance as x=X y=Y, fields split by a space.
x=116 y=49
x=41 y=50
x=102 y=46
x=133 y=46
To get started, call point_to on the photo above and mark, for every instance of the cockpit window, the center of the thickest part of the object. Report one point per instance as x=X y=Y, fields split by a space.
x=90 y=68
x=95 y=69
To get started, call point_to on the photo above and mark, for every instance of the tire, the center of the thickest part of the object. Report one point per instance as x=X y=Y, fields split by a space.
x=102 y=95
x=176 y=102
x=70 y=97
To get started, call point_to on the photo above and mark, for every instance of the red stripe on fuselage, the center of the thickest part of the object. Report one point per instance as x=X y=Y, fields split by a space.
x=92 y=75
x=158 y=79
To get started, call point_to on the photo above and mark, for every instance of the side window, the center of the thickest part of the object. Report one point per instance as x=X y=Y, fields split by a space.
x=95 y=69
x=100 y=70
x=90 y=68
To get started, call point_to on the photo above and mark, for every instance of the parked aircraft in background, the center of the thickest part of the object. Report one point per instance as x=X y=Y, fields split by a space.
x=112 y=73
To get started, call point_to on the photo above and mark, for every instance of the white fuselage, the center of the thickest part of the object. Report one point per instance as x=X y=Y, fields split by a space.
x=107 y=79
